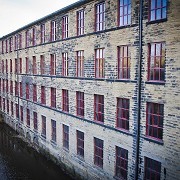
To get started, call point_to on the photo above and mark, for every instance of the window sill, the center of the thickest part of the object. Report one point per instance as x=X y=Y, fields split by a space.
x=118 y=178
x=65 y=149
x=43 y=137
x=53 y=143
x=151 y=139
x=155 y=82
x=99 y=122
x=124 y=131
x=156 y=21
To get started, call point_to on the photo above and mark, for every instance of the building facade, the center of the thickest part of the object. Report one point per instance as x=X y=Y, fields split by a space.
x=96 y=85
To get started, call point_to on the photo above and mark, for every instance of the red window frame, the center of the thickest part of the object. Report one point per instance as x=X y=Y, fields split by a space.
x=10 y=65
x=157 y=10
x=7 y=85
x=21 y=90
x=98 y=152
x=99 y=63
x=3 y=85
x=156 y=62
x=65 y=136
x=4 y=105
x=53 y=97
x=34 y=65
x=53 y=30
x=64 y=27
x=16 y=66
x=16 y=89
x=154 y=120
x=65 y=100
x=10 y=44
x=42 y=33
x=65 y=64
x=27 y=65
x=6 y=66
x=80 y=22
x=12 y=109
x=15 y=42
x=42 y=64
x=20 y=65
x=80 y=143
x=53 y=130
x=34 y=36
x=99 y=108
x=123 y=105
x=152 y=169
x=43 y=133
x=34 y=92
x=124 y=61
x=27 y=38
x=7 y=106
x=28 y=117
x=2 y=46
x=6 y=46
x=80 y=64
x=21 y=109
x=80 y=103
x=17 y=111
x=35 y=121
x=124 y=13
x=0 y=102
x=100 y=16
x=3 y=66
x=20 y=41
x=11 y=87
x=27 y=90
x=52 y=64
x=121 y=168
x=43 y=95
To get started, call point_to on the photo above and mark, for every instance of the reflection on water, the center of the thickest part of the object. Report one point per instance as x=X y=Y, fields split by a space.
x=19 y=162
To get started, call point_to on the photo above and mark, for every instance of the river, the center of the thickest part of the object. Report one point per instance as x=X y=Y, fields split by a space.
x=20 y=162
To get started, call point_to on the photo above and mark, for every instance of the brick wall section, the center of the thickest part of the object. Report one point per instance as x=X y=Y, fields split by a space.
x=166 y=152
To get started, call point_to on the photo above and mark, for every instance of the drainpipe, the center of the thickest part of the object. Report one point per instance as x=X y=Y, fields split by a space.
x=18 y=70
x=139 y=91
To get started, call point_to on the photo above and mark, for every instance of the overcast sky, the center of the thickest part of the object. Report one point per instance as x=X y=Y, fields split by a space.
x=17 y=13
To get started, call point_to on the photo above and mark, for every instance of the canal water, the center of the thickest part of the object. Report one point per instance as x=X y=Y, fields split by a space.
x=20 y=162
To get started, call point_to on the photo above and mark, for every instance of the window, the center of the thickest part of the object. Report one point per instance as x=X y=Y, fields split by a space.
x=21 y=108
x=15 y=42
x=100 y=17
x=0 y=102
x=80 y=103
x=43 y=126
x=6 y=46
x=2 y=47
x=53 y=64
x=10 y=44
x=3 y=66
x=65 y=64
x=28 y=117
x=7 y=106
x=11 y=87
x=53 y=30
x=17 y=111
x=53 y=130
x=152 y=169
x=157 y=9
x=6 y=66
x=80 y=64
x=4 y=105
x=123 y=62
x=7 y=84
x=27 y=91
x=34 y=65
x=27 y=65
x=66 y=136
x=0 y=84
x=21 y=92
x=99 y=108
x=16 y=66
x=42 y=33
x=156 y=71
x=20 y=65
x=34 y=36
x=16 y=89
x=98 y=152
x=53 y=97
x=43 y=95
x=10 y=65
x=20 y=41
x=154 y=120
x=12 y=109
x=121 y=163
x=35 y=120
x=27 y=38
x=80 y=22
x=123 y=113
x=65 y=27
x=65 y=98
x=42 y=64
x=80 y=143
x=3 y=85
x=124 y=12
x=34 y=93
x=99 y=63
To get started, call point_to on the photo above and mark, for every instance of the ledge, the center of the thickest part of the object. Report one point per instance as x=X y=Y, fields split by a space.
x=156 y=21
x=155 y=82
x=160 y=142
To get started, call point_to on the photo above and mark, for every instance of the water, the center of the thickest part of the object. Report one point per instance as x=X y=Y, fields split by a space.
x=20 y=162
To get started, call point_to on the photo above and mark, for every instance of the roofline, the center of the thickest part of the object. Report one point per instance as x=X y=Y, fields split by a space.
x=63 y=10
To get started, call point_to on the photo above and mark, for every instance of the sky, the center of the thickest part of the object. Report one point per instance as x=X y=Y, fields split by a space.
x=17 y=13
